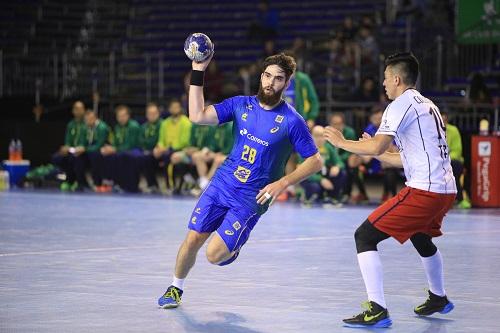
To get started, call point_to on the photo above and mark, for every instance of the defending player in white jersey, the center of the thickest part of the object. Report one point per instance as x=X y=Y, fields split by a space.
x=416 y=213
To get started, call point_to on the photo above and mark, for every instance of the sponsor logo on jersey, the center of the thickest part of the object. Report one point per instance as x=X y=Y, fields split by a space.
x=242 y=174
x=274 y=129
x=236 y=225
x=279 y=119
x=229 y=232
x=249 y=106
x=193 y=220
x=244 y=116
x=249 y=136
x=197 y=210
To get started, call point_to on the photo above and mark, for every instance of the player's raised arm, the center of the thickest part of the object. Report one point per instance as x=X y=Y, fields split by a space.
x=198 y=112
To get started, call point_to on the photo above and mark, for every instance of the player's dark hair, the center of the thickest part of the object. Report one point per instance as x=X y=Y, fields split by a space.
x=174 y=100
x=287 y=63
x=407 y=65
x=122 y=107
x=79 y=101
x=152 y=104
x=338 y=114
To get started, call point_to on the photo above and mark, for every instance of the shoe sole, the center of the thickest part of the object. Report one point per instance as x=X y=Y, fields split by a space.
x=384 y=323
x=448 y=308
x=169 y=306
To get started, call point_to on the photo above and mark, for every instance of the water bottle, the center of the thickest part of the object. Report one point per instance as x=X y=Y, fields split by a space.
x=12 y=150
x=19 y=150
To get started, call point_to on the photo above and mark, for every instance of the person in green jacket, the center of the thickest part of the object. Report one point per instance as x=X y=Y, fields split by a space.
x=121 y=157
x=97 y=134
x=68 y=157
x=175 y=134
x=188 y=160
x=149 y=138
x=330 y=181
x=454 y=141
x=337 y=121
x=302 y=95
x=210 y=157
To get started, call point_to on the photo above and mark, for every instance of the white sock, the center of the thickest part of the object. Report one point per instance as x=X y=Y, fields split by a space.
x=371 y=269
x=433 y=267
x=178 y=283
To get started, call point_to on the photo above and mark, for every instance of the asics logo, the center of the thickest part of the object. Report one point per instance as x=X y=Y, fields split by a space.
x=249 y=136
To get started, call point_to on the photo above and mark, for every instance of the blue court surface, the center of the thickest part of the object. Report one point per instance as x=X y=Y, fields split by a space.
x=90 y=263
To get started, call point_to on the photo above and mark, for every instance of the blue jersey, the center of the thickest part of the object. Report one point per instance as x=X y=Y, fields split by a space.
x=263 y=142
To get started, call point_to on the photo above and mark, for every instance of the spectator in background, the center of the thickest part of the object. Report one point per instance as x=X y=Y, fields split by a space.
x=266 y=23
x=367 y=92
x=97 y=134
x=326 y=185
x=175 y=132
x=199 y=146
x=302 y=95
x=478 y=92
x=68 y=158
x=208 y=159
x=337 y=121
x=120 y=160
x=214 y=81
x=299 y=52
x=150 y=131
x=369 y=49
x=38 y=112
x=454 y=141
x=367 y=164
x=348 y=30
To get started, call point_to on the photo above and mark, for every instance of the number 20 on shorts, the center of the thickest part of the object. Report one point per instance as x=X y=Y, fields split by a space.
x=248 y=154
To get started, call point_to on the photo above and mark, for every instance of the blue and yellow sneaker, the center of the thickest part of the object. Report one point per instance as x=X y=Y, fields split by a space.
x=433 y=304
x=375 y=316
x=171 y=298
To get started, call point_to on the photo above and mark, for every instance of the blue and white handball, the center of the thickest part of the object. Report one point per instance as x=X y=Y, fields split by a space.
x=198 y=47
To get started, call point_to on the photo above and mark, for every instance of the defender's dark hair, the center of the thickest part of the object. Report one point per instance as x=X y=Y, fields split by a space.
x=152 y=104
x=285 y=62
x=407 y=65
x=122 y=107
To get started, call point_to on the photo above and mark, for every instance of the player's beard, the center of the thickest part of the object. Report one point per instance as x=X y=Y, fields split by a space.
x=271 y=99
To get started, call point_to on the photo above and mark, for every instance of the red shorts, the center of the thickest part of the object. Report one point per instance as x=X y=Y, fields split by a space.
x=412 y=211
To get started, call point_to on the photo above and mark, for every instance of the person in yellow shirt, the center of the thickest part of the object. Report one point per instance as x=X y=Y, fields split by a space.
x=454 y=141
x=175 y=134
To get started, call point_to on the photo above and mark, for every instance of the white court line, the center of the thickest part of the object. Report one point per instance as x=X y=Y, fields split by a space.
x=277 y=240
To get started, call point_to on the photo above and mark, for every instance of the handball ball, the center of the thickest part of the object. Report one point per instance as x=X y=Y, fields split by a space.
x=198 y=47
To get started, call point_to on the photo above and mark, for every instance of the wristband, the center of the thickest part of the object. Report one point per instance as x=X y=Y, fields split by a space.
x=197 y=78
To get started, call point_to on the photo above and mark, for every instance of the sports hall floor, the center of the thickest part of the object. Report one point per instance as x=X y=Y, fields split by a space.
x=89 y=263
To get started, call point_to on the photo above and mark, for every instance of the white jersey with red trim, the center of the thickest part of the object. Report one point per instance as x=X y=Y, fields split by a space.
x=417 y=127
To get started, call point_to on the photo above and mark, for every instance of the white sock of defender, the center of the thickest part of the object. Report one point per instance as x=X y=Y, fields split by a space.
x=178 y=283
x=433 y=267
x=373 y=275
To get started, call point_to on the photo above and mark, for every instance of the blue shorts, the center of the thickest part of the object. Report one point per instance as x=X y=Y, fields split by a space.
x=218 y=210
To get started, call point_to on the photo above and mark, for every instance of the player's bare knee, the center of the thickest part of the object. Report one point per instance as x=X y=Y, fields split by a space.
x=215 y=256
x=195 y=240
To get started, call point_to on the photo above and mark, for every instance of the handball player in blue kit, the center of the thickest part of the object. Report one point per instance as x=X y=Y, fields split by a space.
x=266 y=130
